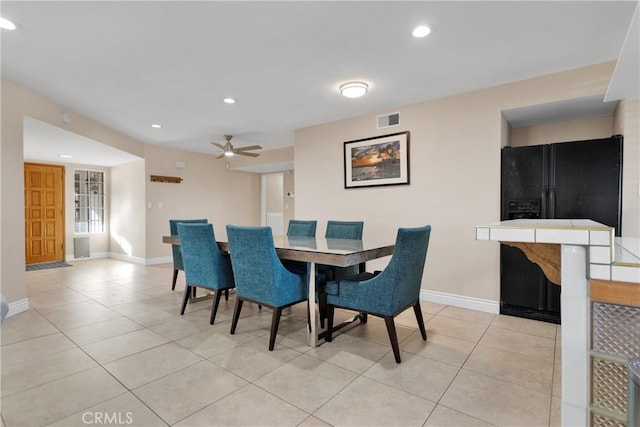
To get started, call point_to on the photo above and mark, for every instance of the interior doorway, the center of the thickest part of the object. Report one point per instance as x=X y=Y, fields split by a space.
x=272 y=206
x=44 y=213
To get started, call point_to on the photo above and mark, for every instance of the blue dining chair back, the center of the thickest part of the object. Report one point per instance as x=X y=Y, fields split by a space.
x=205 y=265
x=325 y=273
x=178 y=263
x=390 y=292
x=259 y=275
x=344 y=230
x=302 y=228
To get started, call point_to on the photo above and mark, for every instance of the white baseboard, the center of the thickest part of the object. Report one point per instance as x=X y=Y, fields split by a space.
x=122 y=257
x=18 y=306
x=127 y=258
x=488 y=306
x=159 y=260
x=96 y=255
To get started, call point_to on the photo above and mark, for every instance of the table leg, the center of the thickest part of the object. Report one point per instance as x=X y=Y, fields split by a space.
x=313 y=318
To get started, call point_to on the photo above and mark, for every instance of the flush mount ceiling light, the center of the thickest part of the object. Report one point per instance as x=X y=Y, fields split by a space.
x=229 y=100
x=421 y=31
x=156 y=126
x=353 y=89
x=5 y=24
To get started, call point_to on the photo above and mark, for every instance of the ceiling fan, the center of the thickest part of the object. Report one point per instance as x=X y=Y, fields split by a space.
x=229 y=150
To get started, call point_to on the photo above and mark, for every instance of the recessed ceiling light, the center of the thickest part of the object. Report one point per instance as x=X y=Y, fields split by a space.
x=353 y=89
x=65 y=156
x=229 y=100
x=156 y=126
x=421 y=31
x=5 y=24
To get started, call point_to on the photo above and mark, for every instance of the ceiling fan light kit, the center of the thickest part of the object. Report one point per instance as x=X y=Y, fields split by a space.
x=228 y=149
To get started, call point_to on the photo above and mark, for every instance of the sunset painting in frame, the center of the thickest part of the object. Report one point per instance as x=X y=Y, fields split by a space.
x=380 y=160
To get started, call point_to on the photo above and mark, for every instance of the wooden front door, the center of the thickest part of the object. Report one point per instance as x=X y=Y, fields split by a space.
x=43 y=213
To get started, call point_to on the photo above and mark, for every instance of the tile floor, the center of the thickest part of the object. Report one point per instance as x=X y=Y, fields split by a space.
x=104 y=344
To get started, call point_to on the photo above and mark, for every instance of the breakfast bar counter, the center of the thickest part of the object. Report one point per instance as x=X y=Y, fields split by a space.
x=573 y=253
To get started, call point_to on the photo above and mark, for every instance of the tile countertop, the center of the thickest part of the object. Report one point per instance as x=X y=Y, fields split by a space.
x=609 y=258
x=627 y=251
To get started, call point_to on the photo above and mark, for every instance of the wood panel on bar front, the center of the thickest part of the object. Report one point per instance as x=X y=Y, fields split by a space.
x=609 y=291
x=546 y=255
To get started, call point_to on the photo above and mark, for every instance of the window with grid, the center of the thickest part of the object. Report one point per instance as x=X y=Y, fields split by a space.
x=89 y=200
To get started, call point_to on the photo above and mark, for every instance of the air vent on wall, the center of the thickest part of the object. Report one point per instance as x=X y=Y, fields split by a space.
x=388 y=120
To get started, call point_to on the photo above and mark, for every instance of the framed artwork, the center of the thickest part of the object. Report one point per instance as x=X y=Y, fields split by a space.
x=380 y=160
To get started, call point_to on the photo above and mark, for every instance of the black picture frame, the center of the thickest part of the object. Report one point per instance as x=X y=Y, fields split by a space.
x=377 y=161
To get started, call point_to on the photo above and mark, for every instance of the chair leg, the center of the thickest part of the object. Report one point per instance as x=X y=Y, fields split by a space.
x=418 y=311
x=330 y=311
x=185 y=298
x=275 y=321
x=236 y=315
x=393 y=337
x=226 y=294
x=214 y=307
x=322 y=307
x=175 y=278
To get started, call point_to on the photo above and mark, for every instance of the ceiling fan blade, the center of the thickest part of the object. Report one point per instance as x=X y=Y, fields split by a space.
x=249 y=147
x=220 y=156
x=220 y=146
x=246 y=153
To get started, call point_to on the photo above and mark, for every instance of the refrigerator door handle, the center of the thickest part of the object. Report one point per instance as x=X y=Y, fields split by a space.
x=544 y=197
x=551 y=213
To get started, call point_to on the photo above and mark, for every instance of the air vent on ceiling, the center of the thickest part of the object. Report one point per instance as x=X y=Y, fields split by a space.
x=388 y=120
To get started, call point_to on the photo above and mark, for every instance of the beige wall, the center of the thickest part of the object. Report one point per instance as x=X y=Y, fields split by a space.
x=573 y=130
x=208 y=190
x=127 y=220
x=455 y=175
x=12 y=251
x=627 y=123
x=275 y=157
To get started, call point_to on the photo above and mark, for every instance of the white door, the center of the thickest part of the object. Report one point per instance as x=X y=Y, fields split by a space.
x=272 y=204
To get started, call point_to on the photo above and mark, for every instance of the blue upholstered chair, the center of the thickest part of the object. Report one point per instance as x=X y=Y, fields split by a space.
x=302 y=228
x=344 y=230
x=205 y=265
x=393 y=290
x=337 y=230
x=260 y=276
x=178 y=264
x=299 y=228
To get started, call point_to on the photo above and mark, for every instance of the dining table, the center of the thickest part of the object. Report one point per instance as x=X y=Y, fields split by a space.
x=320 y=251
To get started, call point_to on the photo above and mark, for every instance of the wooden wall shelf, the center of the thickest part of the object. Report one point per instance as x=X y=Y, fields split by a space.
x=170 y=179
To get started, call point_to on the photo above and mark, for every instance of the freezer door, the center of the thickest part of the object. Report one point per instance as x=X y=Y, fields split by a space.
x=585 y=180
x=523 y=178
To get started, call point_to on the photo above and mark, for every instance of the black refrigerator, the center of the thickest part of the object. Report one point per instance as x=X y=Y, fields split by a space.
x=577 y=180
